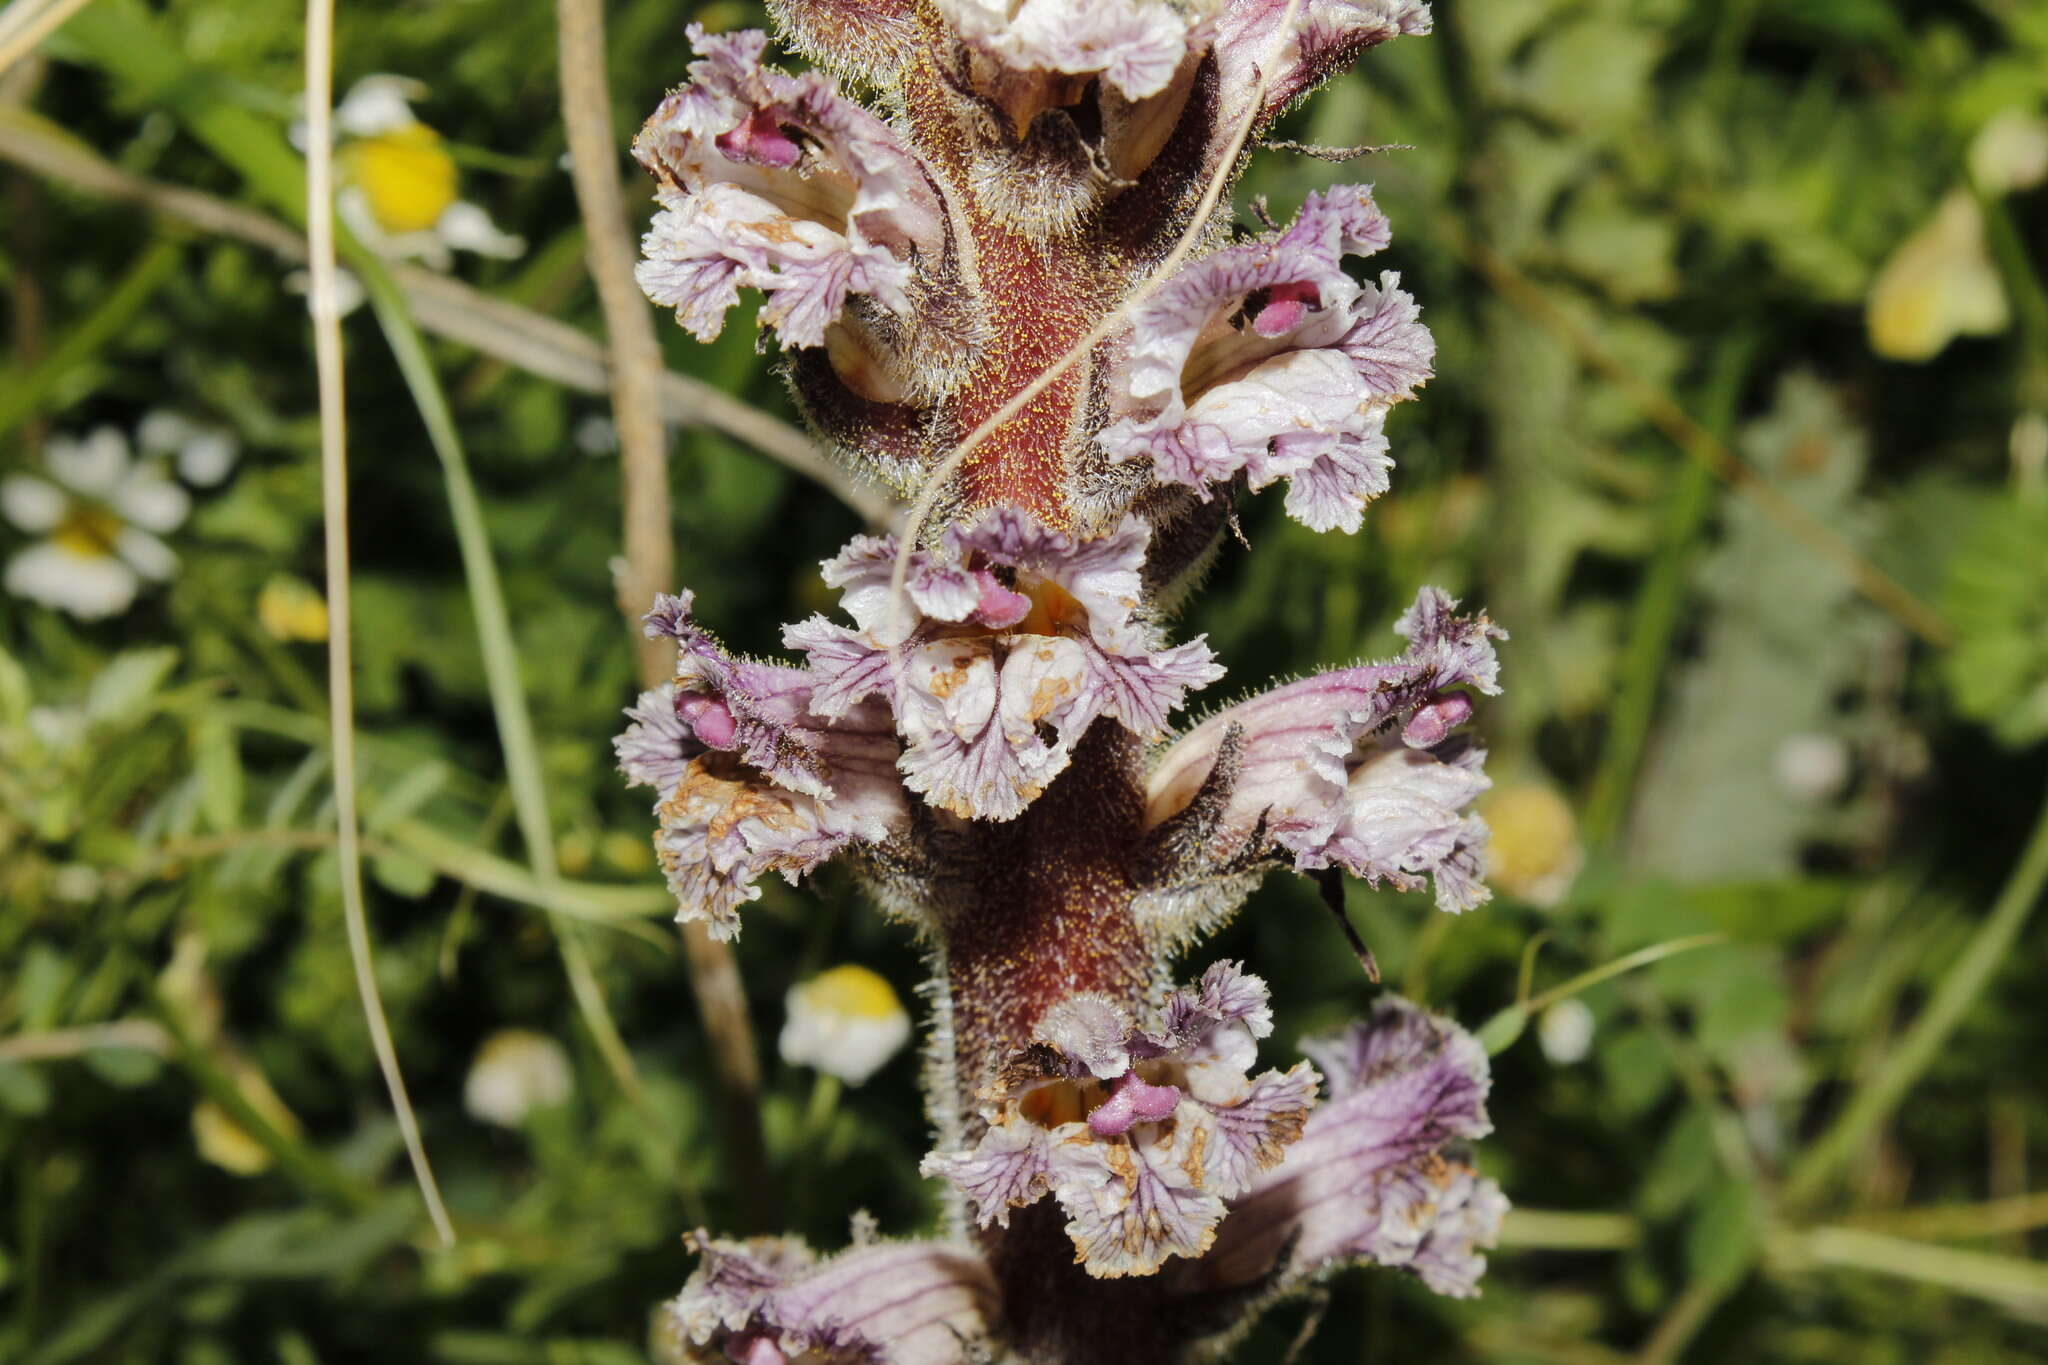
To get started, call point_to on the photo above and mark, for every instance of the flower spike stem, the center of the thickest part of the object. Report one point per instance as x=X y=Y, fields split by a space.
x=1018 y=302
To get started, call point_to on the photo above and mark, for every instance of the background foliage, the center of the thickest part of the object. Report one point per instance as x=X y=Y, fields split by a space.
x=1796 y=709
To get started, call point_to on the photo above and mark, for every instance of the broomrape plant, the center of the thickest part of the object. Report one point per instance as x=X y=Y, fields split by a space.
x=987 y=730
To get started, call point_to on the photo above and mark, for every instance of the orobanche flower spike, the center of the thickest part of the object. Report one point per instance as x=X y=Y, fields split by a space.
x=991 y=725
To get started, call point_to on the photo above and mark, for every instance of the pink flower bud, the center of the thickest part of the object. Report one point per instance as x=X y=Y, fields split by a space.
x=710 y=718
x=1434 y=720
x=1133 y=1102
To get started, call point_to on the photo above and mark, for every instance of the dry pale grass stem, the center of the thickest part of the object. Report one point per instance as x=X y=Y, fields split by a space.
x=322 y=297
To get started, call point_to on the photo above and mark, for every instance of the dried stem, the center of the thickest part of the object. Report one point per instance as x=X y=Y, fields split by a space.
x=633 y=355
x=25 y=23
x=635 y=371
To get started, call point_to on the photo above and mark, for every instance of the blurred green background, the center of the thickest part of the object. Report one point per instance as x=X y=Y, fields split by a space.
x=1741 y=428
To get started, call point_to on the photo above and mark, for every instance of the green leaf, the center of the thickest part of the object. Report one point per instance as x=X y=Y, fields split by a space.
x=1722 y=1239
x=15 y=693
x=40 y=982
x=405 y=796
x=129 y=679
x=218 y=764
x=125 y=1067
x=402 y=875
x=1635 y=1070
x=1499 y=1033
x=1682 y=1166
x=1997 y=598
x=1772 y=911
x=24 y=1090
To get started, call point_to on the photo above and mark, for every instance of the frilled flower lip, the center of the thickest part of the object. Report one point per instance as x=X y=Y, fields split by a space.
x=750 y=779
x=1358 y=768
x=1135 y=46
x=1267 y=360
x=1140 y=1135
x=1013 y=640
x=1327 y=35
x=776 y=182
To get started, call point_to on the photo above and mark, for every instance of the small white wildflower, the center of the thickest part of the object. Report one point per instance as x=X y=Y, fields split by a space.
x=515 y=1072
x=1939 y=284
x=77 y=883
x=204 y=454
x=1565 y=1031
x=2010 y=152
x=1812 y=768
x=596 y=435
x=845 y=1022
x=99 y=514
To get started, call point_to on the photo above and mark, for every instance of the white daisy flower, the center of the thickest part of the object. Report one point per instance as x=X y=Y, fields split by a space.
x=400 y=184
x=845 y=1022
x=99 y=514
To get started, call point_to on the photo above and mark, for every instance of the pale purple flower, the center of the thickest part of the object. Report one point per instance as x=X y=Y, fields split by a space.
x=1012 y=641
x=1370 y=1179
x=775 y=182
x=1139 y=1135
x=772 y=1301
x=1357 y=768
x=749 y=779
x=1266 y=360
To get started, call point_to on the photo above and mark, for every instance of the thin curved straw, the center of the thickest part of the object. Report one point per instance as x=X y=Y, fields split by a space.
x=322 y=297
x=921 y=510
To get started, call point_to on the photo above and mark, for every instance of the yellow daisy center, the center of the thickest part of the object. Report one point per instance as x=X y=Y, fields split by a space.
x=88 y=531
x=406 y=175
x=852 y=992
